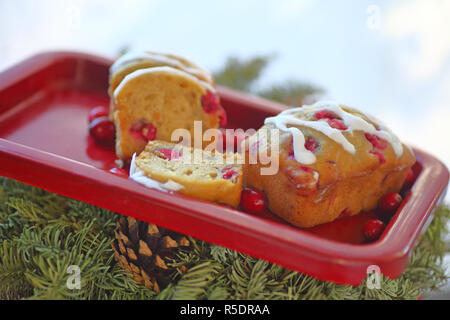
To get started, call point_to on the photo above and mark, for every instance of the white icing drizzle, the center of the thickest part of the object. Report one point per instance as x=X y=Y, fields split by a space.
x=168 y=70
x=159 y=59
x=139 y=176
x=293 y=117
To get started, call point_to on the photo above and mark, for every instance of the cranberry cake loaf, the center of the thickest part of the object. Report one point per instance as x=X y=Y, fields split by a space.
x=334 y=161
x=215 y=177
x=153 y=95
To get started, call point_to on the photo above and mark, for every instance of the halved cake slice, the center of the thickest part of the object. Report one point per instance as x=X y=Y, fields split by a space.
x=215 y=177
x=150 y=104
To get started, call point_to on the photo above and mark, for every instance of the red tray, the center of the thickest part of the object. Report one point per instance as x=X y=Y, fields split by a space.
x=44 y=102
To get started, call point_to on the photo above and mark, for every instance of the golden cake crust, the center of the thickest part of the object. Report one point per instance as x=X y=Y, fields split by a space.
x=148 y=59
x=133 y=61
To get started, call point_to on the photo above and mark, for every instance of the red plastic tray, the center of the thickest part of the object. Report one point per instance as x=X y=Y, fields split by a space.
x=44 y=102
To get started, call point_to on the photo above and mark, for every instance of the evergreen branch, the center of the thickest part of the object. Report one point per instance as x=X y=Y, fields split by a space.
x=34 y=259
x=194 y=283
x=241 y=74
x=292 y=93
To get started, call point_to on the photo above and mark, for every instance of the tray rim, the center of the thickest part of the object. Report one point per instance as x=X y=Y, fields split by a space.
x=391 y=248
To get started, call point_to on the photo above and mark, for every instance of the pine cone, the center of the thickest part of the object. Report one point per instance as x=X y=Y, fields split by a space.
x=143 y=250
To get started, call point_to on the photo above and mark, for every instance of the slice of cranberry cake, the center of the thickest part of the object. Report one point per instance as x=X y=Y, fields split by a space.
x=151 y=103
x=215 y=177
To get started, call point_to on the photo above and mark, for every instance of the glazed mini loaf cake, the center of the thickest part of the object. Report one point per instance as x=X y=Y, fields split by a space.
x=334 y=161
x=212 y=177
x=150 y=101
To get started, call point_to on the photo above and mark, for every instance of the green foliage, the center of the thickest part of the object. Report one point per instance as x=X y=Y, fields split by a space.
x=292 y=93
x=241 y=74
x=43 y=234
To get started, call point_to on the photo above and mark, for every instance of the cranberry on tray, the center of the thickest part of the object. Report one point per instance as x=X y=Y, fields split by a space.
x=373 y=229
x=253 y=201
x=409 y=180
x=102 y=129
x=98 y=112
x=390 y=203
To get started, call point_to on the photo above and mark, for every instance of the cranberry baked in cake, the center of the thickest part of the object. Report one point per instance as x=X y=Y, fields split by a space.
x=215 y=177
x=334 y=161
x=153 y=95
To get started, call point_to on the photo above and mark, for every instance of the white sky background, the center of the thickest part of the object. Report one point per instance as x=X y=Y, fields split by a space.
x=388 y=57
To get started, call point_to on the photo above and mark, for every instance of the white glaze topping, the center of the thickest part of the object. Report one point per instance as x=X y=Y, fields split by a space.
x=167 y=70
x=139 y=176
x=295 y=116
x=158 y=59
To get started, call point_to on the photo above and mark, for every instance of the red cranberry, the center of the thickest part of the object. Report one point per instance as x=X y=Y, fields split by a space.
x=409 y=180
x=98 y=112
x=312 y=145
x=229 y=174
x=119 y=172
x=149 y=132
x=135 y=130
x=253 y=201
x=376 y=141
x=337 y=124
x=306 y=169
x=142 y=130
x=222 y=118
x=170 y=154
x=380 y=156
x=211 y=104
x=373 y=229
x=390 y=203
x=325 y=114
x=102 y=129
